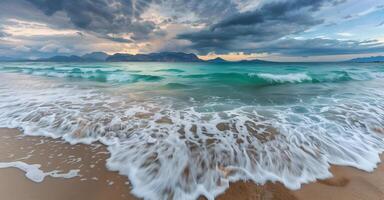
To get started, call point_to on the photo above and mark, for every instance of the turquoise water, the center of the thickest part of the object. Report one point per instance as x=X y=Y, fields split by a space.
x=248 y=83
x=177 y=129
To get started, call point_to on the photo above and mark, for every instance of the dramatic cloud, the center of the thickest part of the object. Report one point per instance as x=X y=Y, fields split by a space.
x=41 y=28
x=273 y=20
x=202 y=11
x=3 y=34
x=284 y=11
x=102 y=16
x=320 y=46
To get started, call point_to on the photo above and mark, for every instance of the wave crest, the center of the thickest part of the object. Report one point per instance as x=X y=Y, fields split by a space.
x=283 y=78
x=180 y=153
x=94 y=74
x=265 y=79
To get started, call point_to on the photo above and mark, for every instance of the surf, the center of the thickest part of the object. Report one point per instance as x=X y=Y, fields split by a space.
x=172 y=147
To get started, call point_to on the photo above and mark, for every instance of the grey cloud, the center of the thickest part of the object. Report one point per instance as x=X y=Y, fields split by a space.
x=3 y=34
x=320 y=46
x=117 y=39
x=271 y=21
x=64 y=45
x=348 y=16
x=80 y=34
x=282 y=11
x=101 y=16
x=229 y=28
x=105 y=17
x=207 y=11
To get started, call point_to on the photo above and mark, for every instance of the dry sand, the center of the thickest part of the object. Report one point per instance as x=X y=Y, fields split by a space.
x=97 y=183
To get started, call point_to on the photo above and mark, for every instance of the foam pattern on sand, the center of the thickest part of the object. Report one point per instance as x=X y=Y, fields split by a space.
x=172 y=150
x=34 y=173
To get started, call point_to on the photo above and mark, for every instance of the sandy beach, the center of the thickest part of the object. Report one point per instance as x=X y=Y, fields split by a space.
x=191 y=100
x=94 y=181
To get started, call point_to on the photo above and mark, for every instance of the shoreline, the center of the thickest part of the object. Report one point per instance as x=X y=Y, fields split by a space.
x=347 y=183
x=94 y=181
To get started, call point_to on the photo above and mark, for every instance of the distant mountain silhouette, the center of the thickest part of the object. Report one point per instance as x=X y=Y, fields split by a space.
x=4 y=58
x=89 y=57
x=217 y=60
x=255 y=61
x=120 y=57
x=72 y=58
x=158 y=57
x=221 y=60
x=368 y=59
x=95 y=56
x=155 y=57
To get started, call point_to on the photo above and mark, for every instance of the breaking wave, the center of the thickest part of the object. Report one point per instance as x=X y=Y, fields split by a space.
x=177 y=152
x=170 y=70
x=274 y=79
x=97 y=74
x=284 y=78
x=122 y=75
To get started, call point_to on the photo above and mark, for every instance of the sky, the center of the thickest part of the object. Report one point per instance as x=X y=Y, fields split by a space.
x=278 y=30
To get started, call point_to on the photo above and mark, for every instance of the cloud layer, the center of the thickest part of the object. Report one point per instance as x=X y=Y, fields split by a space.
x=279 y=27
x=271 y=21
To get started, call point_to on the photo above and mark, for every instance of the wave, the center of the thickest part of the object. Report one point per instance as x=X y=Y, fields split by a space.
x=170 y=70
x=180 y=153
x=284 y=78
x=94 y=74
x=275 y=79
x=177 y=86
x=117 y=75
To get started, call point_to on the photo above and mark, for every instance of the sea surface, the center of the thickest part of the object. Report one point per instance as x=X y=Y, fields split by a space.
x=181 y=130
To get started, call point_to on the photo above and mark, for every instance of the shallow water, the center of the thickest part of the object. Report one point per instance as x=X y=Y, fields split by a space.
x=180 y=130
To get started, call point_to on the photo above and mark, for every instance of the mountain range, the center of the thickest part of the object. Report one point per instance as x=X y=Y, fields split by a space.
x=154 y=57
x=158 y=57
x=121 y=57
x=118 y=57
x=368 y=59
x=151 y=57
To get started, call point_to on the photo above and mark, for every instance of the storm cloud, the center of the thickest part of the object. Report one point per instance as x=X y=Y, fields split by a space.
x=271 y=21
x=3 y=34
x=116 y=17
x=101 y=16
x=285 y=27
x=320 y=47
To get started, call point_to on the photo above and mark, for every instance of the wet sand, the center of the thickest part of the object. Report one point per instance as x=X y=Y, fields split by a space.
x=97 y=183
x=346 y=184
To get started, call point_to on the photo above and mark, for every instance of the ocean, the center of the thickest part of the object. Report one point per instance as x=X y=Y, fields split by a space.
x=181 y=130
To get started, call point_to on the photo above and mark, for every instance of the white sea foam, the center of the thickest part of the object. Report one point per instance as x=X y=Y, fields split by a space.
x=180 y=153
x=97 y=74
x=284 y=78
x=34 y=173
